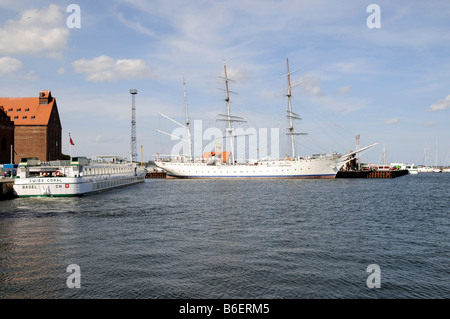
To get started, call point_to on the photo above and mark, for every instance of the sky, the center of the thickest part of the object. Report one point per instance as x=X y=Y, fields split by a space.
x=382 y=73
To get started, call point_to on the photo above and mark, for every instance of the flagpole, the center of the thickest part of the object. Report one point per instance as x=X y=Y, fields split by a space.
x=70 y=148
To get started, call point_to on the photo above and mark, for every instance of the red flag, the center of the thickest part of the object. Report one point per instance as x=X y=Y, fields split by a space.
x=71 y=142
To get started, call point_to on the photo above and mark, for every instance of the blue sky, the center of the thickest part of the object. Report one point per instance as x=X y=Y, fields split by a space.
x=390 y=84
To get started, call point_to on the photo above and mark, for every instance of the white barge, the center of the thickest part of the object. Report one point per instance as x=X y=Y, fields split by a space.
x=78 y=177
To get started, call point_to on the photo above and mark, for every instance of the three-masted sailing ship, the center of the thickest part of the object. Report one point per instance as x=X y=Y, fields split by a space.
x=223 y=165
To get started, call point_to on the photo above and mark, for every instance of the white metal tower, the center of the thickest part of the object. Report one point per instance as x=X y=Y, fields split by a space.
x=133 y=149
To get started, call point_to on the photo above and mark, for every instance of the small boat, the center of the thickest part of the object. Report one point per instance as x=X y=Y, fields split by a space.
x=425 y=169
x=412 y=169
x=77 y=177
x=430 y=169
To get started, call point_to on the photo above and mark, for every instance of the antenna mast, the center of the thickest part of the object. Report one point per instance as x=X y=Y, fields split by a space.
x=133 y=150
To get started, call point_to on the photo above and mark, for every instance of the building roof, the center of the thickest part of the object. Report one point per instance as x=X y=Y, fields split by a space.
x=4 y=119
x=29 y=110
x=45 y=94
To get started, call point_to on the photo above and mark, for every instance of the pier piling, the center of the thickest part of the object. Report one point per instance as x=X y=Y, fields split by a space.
x=6 y=189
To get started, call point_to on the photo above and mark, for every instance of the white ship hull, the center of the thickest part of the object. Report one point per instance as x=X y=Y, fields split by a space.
x=315 y=168
x=71 y=186
x=56 y=181
x=428 y=170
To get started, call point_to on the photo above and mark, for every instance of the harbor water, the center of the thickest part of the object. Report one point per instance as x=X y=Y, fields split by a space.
x=219 y=239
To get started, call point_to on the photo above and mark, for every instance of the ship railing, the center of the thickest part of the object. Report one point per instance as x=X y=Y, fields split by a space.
x=174 y=159
x=54 y=163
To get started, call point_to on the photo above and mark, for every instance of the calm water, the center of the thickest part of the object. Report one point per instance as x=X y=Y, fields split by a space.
x=233 y=239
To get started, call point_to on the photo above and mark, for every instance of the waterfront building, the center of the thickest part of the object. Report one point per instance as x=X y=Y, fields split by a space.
x=37 y=126
x=6 y=136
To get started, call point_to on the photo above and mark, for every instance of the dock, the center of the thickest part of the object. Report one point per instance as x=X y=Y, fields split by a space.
x=372 y=173
x=340 y=174
x=156 y=175
x=7 y=188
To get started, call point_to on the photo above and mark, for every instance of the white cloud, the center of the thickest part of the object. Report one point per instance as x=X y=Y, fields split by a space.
x=135 y=25
x=441 y=105
x=354 y=67
x=392 y=121
x=36 y=31
x=9 y=65
x=430 y=123
x=340 y=105
x=105 y=68
x=344 y=90
x=309 y=84
x=12 y=67
x=240 y=74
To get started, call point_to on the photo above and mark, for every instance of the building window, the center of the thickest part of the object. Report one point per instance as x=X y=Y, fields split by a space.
x=10 y=110
x=24 y=118
x=18 y=110
x=16 y=117
x=33 y=117
x=26 y=110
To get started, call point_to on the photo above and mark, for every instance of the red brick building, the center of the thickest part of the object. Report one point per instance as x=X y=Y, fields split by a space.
x=6 y=137
x=37 y=127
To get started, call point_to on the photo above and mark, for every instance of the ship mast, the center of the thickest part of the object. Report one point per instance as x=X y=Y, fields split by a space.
x=227 y=99
x=188 y=126
x=228 y=117
x=291 y=115
x=291 y=120
x=435 y=163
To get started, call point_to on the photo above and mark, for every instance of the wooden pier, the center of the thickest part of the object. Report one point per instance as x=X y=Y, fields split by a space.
x=372 y=174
